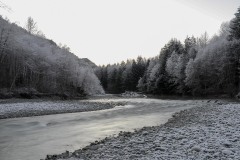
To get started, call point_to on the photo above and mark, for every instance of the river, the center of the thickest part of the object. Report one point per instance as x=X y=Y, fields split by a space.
x=32 y=138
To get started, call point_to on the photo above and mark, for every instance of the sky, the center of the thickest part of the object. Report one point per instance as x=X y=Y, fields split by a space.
x=109 y=31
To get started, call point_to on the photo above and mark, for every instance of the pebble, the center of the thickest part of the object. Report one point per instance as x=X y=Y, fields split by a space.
x=226 y=151
x=196 y=148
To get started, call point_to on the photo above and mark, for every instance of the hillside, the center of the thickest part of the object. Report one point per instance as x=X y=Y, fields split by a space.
x=31 y=63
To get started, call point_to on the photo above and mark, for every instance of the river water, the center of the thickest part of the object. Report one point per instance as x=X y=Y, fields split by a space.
x=32 y=138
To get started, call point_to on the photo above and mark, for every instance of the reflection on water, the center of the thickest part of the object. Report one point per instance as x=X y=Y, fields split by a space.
x=34 y=137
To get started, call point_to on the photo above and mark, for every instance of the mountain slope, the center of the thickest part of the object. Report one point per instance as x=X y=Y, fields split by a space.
x=36 y=63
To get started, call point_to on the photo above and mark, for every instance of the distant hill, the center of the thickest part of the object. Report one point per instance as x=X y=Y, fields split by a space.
x=38 y=64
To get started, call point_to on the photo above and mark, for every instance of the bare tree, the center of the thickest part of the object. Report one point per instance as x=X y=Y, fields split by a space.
x=31 y=26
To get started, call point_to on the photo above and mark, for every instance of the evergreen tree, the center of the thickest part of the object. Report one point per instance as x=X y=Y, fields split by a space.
x=189 y=43
x=235 y=26
x=235 y=34
x=162 y=77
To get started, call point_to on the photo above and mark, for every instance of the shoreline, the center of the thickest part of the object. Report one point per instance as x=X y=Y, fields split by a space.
x=19 y=108
x=204 y=132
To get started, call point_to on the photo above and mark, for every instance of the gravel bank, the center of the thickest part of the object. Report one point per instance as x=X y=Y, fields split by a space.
x=25 y=108
x=206 y=132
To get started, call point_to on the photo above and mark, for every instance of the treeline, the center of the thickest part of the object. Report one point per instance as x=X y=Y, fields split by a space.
x=30 y=64
x=199 y=66
x=122 y=77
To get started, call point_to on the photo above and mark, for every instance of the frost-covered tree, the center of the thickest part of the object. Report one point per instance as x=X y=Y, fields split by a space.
x=189 y=43
x=176 y=70
x=201 y=66
x=171 y=66
x=192 y=77
x=64 y=47
x=207 y=74
x=41 y=34
x=38 y=64
x=162 y=82
x=203 y=40
x=146 y=82
x=224 y=30
x=124 y=76
x=235 y=26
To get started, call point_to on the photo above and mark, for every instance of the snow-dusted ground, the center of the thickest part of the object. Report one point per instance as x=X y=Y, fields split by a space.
x=20 y=108
x=208 y=132
x=128 y=94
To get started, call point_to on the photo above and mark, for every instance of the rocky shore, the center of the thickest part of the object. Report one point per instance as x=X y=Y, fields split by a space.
x=211 y=131
x=27 y=108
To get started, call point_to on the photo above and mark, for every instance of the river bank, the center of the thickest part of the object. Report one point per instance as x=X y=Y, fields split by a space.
x=14 y=108
x=210 y=131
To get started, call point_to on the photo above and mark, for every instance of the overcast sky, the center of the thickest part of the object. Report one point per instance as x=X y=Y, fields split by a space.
x=108 y=31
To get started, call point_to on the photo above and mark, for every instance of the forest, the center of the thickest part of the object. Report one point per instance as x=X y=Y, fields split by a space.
x=199 y=66
x=31 y=65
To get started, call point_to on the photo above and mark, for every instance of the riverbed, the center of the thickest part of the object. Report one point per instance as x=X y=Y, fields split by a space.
x=31 y=138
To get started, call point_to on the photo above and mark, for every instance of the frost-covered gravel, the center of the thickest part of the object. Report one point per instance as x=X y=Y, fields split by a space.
x=20 y=108
x=206 y=132
x=128 y=94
